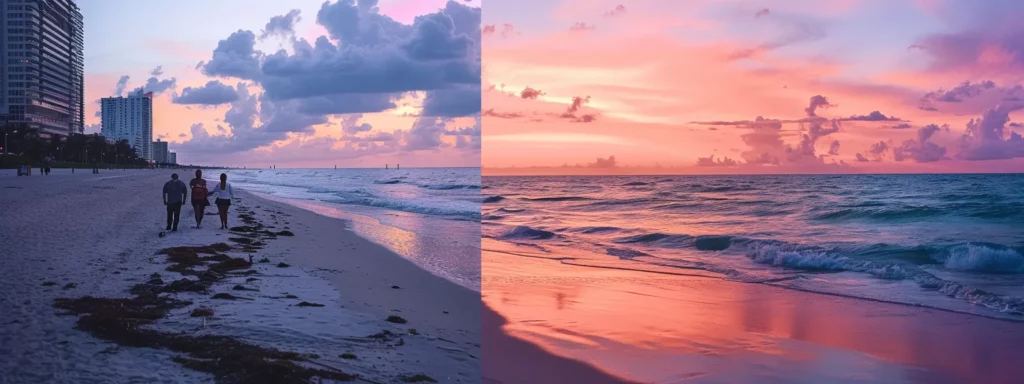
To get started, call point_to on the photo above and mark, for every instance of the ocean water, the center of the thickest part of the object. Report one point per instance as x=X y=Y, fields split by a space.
x=428 y=215
x=951 y=242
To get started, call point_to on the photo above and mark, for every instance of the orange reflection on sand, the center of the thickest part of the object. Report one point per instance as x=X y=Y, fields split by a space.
x=632 y=324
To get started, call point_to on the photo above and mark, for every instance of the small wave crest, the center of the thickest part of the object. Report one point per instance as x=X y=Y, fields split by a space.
x=523 y=232
x=980 y=257
x=448 y=187
x=887 y=213
x=493 y=199
x=391 y=181
x=558 y=198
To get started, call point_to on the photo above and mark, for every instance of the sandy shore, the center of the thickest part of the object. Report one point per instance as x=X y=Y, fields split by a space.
x=670 y=329
x=97 y=235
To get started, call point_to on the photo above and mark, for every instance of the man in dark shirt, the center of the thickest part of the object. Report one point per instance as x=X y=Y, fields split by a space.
x=175 y=192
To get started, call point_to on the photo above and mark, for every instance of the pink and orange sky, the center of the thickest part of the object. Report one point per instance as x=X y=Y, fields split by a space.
x=733 y=86
x=304 y=83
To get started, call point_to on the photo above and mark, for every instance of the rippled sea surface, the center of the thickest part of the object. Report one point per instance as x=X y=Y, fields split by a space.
x=952 y=242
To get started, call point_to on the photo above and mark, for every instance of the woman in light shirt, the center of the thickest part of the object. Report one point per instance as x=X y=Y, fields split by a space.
x=223 y=193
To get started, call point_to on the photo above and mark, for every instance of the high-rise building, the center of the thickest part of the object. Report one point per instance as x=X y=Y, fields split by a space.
x=130 y=118
x=172 y=158
x=42 y=69
x=160 y=154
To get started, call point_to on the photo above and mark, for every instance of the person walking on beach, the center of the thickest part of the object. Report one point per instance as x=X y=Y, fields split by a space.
x=175 y=193
x=199 y=197
x=224 y=195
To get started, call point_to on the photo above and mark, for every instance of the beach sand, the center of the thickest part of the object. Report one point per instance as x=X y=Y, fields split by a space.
x=98 y=235
x=659 y=328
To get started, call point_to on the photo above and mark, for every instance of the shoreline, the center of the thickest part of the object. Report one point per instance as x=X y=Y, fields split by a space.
x=106 y=248
x=664 y=329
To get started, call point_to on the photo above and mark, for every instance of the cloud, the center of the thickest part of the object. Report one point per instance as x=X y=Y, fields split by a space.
x=861 y=158
x=235 y=56
x=833 y=149
x=618 y=10
x=762 y=13
x=921 y=150
x=603 y=163
x=213 y=93
x=987 y=137
x=580 y=26
x=798 y=31
x=454 y=102
x=901 y=126
x=502 y=115
x=282 y=25
x=377 y=55
x=711 y=162
x=158 y=71
x=346 y=103
x=122 y=84
x=364 y=63
x=530 y=93
x=817 y=101
x=873 y=116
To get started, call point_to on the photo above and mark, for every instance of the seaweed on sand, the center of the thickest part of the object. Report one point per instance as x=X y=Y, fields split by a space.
x=228 y=359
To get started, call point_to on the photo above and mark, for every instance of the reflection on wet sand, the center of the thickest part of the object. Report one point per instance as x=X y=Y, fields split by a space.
x=661 y=328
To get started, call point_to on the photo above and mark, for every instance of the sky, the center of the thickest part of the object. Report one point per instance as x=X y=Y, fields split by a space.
x=734 y=86
x=295 y=83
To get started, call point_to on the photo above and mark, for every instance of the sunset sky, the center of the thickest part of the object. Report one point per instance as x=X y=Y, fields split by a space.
x=722 y=86
x=298 y=83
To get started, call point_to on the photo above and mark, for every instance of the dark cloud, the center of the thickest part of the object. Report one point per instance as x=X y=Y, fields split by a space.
x=959 y=93
x=817 y=101
x=351 y=126
x=977 y=29
x=873 y=116
x=425 y=134
x=577 y=103
x=988 y=138
x=364 y=64
x=582 y=27
x=436 y=52
x=762 y=13
x=345 y=103
x=833 y=149
x=454 y=102
x=502 y=115
x=901 y=126
x=603 y=163
x=921 y=150
x=158 y=86
x=213 y=93
x=711 y=162
x=282 y=25
x=879 y=148
x=861 y=158
x=122 y=85
x=530 y=93
x=618 y=10
x=235 y=57
x=182 y=135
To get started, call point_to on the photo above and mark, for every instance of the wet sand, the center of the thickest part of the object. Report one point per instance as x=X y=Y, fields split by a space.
x=661 y=328
x=97 y=235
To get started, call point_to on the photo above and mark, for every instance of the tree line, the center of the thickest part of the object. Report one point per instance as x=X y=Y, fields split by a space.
x=22 y=144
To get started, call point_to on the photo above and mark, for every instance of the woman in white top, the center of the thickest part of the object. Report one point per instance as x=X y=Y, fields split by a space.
x=223 y=194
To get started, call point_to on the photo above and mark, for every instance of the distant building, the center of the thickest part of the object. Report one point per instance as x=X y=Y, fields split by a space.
x=130 y=118
x=160 y=153
x=172 y=158
x=41 y=46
